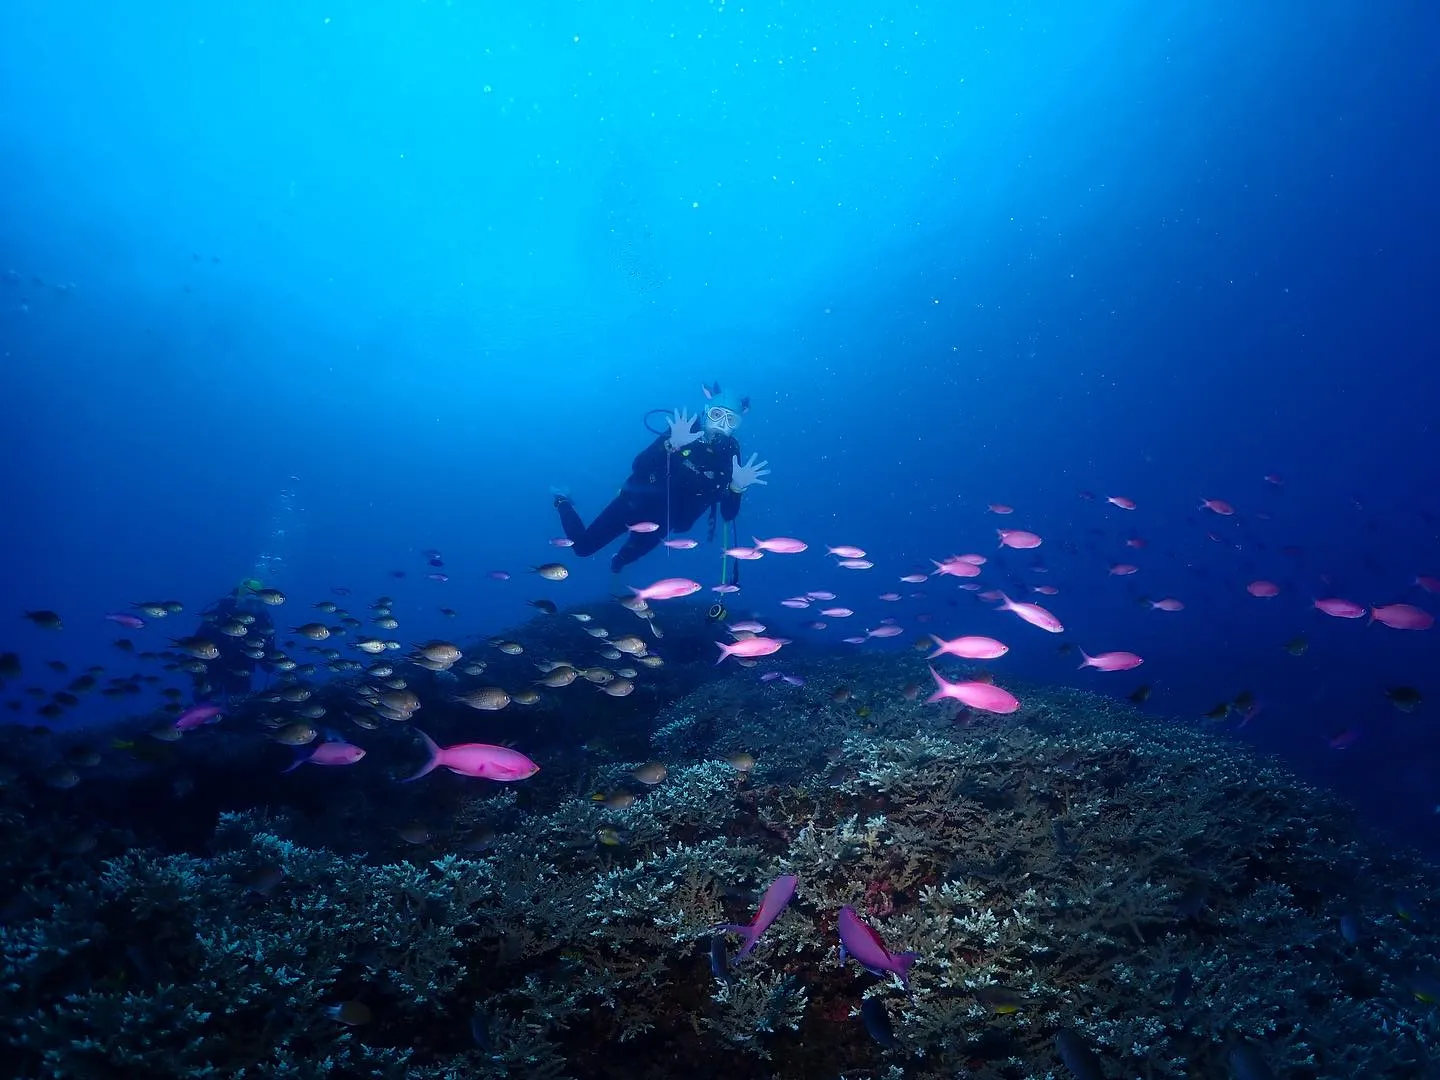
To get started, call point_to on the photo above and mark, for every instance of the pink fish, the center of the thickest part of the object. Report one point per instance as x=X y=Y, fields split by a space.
x=781 y=545
x=555 y=541
x=725 y=588
x=815 y=624
x=978 y=695
x=670 y=588
x=956 y=567
x=1429 y=584
x=820 y=595
x=1168 y=603
x=969 y=648
x=973 y=560
x=914 y=579
x=125 y=619
x=793 y=680
x=476 y=759
x=1034 y=614
x=1274 y=478
x=499 y=575
x=643 y=527
x=1263 y=589
x=836 y=612
x=437 y=576
x=197 y=715
x=855 y=564
x=1341 y=609
x=885 y=631
x=888 y=597
x=747 y=553
x=854 y=640
x=859 y=939
x=1000 y=508
x=1045 y=590
x=845 y=551
x=1136 y=542
x=749 y=648
x=1018 y=538
x=1121 y=569
x=333 y=752
x=682 y=544
x=1218 y=506
x=1121 y=501
x=1402 y=617
x=1111 y=661
x=798 y=602
x=777 y=896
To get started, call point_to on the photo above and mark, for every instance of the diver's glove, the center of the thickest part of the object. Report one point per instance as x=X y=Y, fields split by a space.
x=681 y=434
x=742 y=476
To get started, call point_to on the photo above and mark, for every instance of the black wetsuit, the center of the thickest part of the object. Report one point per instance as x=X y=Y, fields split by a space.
x=699 y=478
x=230 y=673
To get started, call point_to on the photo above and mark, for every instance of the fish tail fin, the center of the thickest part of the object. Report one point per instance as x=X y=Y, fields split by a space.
x=300 y=758
x=434 y=757
x=903 y=961
x=725 y=651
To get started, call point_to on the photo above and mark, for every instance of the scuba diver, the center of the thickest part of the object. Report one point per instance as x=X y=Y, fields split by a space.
x=673 y=481
x=239 y=626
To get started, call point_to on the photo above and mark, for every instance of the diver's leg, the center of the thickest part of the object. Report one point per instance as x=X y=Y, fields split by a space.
x=639 y=544
x=600 y=532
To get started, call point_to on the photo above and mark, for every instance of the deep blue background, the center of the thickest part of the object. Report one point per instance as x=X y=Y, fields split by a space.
x=415 y=262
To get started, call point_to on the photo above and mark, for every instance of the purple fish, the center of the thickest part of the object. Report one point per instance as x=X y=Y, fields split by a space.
x=776 y=897
x=860 y=940
x=196 y=715
x=125 y=619
x=330 y=752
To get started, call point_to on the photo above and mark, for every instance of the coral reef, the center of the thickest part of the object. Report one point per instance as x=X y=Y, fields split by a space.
x=1157 y=889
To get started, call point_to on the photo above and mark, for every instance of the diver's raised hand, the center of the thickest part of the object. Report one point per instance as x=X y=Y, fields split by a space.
x=680 y=429
x=742 y=476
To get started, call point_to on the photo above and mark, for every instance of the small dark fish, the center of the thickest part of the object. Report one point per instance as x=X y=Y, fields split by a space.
x=9 y=666
x=547 y=606
x=876 y=1019
x=720 y=959
x=1247 y=1064
x=1140 y=694
x=46 y=620
x=1219 y=712
x=1297 y=646
x=1404 y=698
x=1244 y=700
x=1062 y=839
x=480 y=1029
x=1192 y=900
x=1000 y=999
x=1077 y=1056
x=1184 y=986
x=350 y=1013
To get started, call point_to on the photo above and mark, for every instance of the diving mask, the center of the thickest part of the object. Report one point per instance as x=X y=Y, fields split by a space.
x=718 y=418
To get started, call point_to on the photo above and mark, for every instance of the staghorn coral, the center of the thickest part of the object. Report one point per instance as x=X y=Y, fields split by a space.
x=1057 y=868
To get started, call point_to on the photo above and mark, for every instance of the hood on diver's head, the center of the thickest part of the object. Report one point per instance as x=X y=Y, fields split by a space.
x=724 y=409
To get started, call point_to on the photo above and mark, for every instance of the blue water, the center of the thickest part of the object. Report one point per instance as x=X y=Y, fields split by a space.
x=314 y=288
